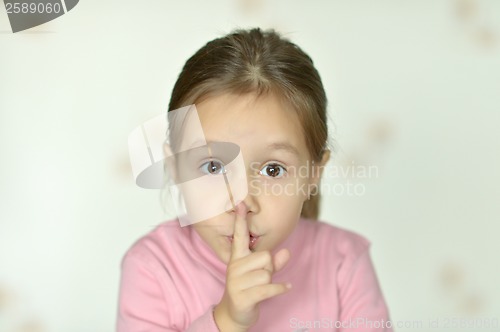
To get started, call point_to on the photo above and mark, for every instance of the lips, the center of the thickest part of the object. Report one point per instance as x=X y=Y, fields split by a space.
x=253 y=240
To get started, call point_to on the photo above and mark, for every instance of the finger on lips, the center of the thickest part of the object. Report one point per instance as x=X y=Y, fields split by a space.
x=241 y=235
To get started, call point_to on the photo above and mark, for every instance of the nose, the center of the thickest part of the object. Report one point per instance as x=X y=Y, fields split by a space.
x=249 y=204
x=241 y=208
x=251 y=200
x=242 y=188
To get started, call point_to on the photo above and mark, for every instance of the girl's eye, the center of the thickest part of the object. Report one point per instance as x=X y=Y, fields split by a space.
x=212 y=167
x=273 y=170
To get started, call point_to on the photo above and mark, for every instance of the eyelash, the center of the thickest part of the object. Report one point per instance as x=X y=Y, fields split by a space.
x=204 y=168
x=212 y=161
x=275 y=165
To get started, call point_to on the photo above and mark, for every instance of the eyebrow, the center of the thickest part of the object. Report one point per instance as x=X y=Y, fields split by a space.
x=285 y=146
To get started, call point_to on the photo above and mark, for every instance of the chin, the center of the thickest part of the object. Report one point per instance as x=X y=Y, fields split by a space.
x=225 y=258
x=224 y=254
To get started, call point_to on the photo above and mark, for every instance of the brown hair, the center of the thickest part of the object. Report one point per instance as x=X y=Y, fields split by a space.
x=260 y=62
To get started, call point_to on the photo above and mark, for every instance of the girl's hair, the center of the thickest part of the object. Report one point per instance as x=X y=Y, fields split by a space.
x=256 y=61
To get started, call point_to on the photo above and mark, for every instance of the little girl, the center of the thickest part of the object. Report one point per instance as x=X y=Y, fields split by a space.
x=266 y=263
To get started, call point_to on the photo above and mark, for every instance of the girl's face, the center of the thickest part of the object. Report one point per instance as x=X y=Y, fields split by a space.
x=277 y=163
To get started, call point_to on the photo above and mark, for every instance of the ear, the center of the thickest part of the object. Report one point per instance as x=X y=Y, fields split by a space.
x=317 y=171
x=317 y=168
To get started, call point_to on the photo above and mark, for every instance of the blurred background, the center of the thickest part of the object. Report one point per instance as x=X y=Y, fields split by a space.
x=413 y=90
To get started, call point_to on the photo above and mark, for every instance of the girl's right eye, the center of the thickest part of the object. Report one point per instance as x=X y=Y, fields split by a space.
x=212 y=167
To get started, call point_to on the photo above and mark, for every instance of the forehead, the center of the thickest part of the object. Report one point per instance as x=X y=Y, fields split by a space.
x=248 y=120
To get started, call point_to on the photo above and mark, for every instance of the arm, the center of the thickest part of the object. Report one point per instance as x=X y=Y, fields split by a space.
x=145 y=304
x=361 y=300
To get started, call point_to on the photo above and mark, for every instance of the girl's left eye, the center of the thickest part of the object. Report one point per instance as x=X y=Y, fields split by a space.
x=212 y=167
x=273 y=170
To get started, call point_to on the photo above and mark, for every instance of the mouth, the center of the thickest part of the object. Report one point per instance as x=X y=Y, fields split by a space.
x=252 y=243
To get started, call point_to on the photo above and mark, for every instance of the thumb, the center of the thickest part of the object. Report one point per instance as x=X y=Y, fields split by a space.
x=280 y=259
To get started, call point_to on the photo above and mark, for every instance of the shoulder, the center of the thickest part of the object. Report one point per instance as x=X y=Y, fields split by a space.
x=333 y=239
x=155 y=246
x=147 y=285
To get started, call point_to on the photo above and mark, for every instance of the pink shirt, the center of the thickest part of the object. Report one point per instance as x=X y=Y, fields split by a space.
x=171 y=280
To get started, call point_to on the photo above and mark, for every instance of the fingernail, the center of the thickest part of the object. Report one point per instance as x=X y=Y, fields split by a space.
x=241 y=208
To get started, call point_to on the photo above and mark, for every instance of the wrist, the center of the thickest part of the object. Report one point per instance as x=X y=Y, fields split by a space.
x=224 y=321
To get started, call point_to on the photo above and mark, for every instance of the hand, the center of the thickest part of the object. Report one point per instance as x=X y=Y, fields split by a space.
x=248 y=279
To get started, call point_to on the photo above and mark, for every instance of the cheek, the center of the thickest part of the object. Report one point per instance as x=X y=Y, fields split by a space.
x=286 y=207
x=211 y=233
x=207 y=229
x=294 y=188
x=285 y=218
x=292 y=192
x=202 y=232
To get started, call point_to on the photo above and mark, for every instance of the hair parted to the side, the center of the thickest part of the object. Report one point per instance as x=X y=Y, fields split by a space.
x=256 y=61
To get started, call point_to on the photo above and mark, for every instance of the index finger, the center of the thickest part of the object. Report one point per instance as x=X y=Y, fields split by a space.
x=241 y=235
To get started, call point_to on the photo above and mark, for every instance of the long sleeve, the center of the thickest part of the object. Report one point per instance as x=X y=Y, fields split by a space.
x=171 y=280
x=147 y=304
x=362 y=305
